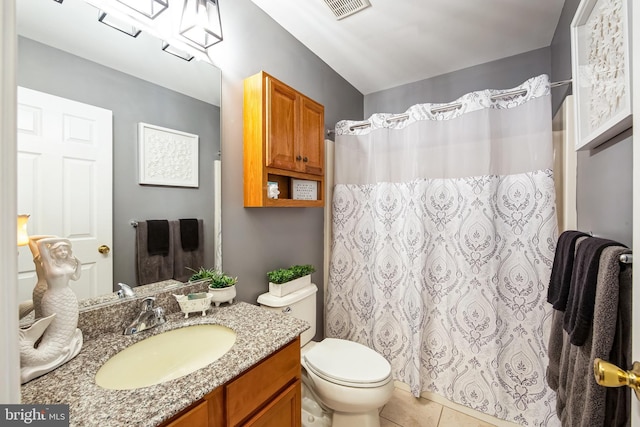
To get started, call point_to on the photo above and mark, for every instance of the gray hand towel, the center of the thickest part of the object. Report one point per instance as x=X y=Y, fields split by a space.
x=578 y=316
x=557 y=338
x=189 y=234
x=581 y=402
x=185 y=259
x=562 y=269
x=151 y=268
x=158 y=237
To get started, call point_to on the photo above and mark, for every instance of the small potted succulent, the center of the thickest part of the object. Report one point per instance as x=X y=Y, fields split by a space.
x=284 y=281
x=221 y=285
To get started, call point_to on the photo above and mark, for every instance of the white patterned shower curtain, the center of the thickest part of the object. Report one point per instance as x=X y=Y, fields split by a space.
x=444 y=231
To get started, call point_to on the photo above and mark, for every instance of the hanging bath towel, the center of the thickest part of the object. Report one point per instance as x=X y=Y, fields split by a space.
x=152 y=268
x=188 y=247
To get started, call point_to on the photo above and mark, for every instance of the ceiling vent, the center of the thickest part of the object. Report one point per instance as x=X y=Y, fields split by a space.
x=343 y=8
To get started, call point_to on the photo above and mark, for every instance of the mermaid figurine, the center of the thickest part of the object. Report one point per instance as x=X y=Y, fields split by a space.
x=59 y=338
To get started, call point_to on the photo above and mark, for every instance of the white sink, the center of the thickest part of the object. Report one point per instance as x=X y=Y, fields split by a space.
x=165 y=357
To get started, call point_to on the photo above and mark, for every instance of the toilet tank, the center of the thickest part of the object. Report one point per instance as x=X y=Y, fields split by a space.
x=300 y=304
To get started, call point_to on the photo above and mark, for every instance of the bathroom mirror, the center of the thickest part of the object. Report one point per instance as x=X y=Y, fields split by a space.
x=63 y=50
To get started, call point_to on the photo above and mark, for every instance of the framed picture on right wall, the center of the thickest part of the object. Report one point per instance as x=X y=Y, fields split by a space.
x=601 y=67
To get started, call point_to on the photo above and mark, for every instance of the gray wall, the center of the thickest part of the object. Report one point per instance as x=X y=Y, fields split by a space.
x=605 y=174
x=256 y=240
x=500 y=74
x=132 y=100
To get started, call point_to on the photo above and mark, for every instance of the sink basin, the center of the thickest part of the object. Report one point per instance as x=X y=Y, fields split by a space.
x=165 y=357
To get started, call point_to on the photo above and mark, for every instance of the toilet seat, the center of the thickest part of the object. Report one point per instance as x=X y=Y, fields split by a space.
x=347 y=363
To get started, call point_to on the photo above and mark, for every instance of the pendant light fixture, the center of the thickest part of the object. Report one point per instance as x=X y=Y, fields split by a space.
x=148 y=8
x=186 y=27
x=118 y=24
x=200 y=22
x=177 y=52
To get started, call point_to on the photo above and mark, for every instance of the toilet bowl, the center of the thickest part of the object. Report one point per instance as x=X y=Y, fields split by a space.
x=348 y=379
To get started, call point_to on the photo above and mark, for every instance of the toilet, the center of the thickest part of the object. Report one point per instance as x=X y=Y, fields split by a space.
x=349 y=380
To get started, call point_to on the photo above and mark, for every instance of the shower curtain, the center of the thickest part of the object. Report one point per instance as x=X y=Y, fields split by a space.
x=444 y=231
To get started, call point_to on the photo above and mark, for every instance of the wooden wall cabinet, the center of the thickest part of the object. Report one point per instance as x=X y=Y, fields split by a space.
x=283 y=140
x=266 y=395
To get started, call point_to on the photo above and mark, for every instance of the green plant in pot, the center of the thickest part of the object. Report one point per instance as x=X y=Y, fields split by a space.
x=284 y=281
x=221 y=285
x=217 y=278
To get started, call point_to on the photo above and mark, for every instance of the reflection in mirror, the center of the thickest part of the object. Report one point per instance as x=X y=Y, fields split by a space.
x=66 y=55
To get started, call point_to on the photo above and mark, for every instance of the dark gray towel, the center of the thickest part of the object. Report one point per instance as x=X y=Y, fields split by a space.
x=581 y=402
x=186 y=259
x=558 y=347
x=189 y=236
x=618 y=399
x=151 y=268
x=563 y=260
x=578 y=316
x=158 y=237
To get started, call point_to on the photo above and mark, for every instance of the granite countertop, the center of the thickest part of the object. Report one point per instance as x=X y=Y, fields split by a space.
x=259 y=333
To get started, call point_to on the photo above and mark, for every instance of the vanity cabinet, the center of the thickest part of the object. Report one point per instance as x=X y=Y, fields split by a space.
x=267 y=395
x=283 y=141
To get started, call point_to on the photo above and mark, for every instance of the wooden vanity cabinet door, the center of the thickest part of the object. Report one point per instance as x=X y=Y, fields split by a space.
x=311 y=136
x=281 y=106
x=258 y=387
x=282 y=411
x=205 y=413
x=197 y=416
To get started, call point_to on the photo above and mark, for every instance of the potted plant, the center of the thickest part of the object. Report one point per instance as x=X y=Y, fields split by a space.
x=284 y=281
x=221 y=285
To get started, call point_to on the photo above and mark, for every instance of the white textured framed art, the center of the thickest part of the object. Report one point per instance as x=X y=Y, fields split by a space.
x=167 y=156
x=601 y=65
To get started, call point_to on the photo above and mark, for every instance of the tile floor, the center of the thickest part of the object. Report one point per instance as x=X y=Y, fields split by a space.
x=404 y=410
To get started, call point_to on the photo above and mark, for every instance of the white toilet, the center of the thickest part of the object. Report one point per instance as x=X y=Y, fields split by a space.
x=348 y=378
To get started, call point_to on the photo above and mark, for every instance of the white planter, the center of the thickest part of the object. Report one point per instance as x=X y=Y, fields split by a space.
x=221 y=295
x=289 y=287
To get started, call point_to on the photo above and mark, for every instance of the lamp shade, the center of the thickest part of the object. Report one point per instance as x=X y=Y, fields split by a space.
x=23 y=236
x=148 y=8
x=200 y=22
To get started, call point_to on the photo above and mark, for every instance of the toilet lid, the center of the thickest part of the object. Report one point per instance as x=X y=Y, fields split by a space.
x=348 y=363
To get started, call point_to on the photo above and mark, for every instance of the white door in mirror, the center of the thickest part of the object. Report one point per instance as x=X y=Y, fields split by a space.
x=65 y=184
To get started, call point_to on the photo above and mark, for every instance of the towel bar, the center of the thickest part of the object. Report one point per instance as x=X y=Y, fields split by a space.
x=626 y=258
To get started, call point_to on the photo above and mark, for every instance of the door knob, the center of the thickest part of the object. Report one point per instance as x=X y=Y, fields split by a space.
x=104 y=249
x=609 y=375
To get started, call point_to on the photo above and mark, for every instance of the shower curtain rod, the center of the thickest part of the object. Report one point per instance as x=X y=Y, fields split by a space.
x=453 y=106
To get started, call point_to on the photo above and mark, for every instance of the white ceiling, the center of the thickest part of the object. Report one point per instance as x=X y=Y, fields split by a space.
x=395 y=42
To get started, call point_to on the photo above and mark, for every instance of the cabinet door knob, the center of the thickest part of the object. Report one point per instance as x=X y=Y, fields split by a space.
x=305 y=159
x=298 y=157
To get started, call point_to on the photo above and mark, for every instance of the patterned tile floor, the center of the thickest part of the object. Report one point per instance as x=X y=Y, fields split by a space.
x=404 y=410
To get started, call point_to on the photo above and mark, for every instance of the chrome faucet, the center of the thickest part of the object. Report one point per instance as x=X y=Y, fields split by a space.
x=148 y=318
x=125 y=291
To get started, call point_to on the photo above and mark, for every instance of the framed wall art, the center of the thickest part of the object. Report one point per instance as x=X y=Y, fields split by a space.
x=167 y=156
x=601 y=66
